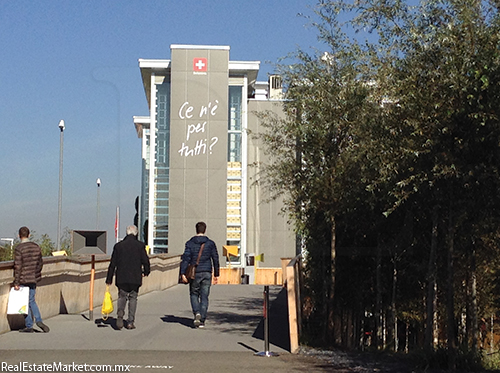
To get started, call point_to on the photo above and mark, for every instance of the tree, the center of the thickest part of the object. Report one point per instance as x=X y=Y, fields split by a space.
x=407 y=117
x=44 y=241
x=441 y=79
x=313 y=151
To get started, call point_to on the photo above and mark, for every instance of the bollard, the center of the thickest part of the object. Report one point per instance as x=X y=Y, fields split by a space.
x=266 y=353
x=244 y=279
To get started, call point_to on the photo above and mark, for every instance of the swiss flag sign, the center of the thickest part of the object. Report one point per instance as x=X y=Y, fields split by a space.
x=199 y=64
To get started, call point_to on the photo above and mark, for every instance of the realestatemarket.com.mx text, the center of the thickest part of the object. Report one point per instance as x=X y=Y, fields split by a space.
x=60 y=367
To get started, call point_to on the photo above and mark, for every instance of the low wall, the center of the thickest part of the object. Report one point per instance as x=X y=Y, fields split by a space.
x=65 y=285
x=230 y=276
x=268 y=276
x=263 y=275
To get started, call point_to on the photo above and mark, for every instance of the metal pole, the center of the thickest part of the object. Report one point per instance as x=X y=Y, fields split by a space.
x=98 y=202
x=61 y=141
x=266 y=353
x=266 y=318
x=91 y=297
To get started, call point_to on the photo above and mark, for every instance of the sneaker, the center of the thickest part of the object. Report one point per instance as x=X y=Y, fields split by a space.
x=197 y=320
x=119 y=322
x=42 y=326
x=26 y=330
x=130 y=326
x=202 y=324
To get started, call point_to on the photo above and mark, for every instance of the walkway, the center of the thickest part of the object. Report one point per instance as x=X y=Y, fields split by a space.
x=164 y=339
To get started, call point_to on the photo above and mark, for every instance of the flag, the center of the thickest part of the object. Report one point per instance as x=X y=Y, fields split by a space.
x=200 y=64
x=259 y=258
x=117 y=224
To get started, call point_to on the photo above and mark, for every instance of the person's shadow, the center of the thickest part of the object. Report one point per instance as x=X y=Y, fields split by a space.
x=178 y=320
x=104 y=323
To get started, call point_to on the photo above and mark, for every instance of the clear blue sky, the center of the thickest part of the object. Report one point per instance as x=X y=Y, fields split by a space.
x=78 y=61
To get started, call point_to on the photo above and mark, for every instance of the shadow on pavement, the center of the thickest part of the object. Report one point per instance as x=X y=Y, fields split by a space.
x=243 y=304
x=233 y=322
x=178 y=320
x=278 y=322
x=248 y=347
x=110 y=321
x=236 y=315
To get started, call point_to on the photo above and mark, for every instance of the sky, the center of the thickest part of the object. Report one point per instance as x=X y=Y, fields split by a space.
x=77 y=61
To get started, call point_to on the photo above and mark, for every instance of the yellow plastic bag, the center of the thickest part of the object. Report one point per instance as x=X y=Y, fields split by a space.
x=107 y=304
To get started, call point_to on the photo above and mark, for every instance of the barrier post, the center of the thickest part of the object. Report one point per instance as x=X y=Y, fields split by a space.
x=266 y=353
x=91 y=298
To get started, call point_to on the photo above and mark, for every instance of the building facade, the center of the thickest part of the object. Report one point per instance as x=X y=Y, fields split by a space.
x=196 y=153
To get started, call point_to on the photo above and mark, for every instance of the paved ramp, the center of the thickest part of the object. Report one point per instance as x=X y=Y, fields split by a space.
x=164 y=339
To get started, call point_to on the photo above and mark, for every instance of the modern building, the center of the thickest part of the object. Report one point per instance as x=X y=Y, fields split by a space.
x=197 y=152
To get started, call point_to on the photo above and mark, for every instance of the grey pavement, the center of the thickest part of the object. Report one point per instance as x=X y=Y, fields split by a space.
x=164 y=339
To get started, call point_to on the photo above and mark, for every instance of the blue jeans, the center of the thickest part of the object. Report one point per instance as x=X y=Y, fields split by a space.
x=199 y=290
x=33 y=311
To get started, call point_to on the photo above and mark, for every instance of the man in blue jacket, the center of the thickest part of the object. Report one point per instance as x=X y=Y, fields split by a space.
x=130 y=262
x=199 y=288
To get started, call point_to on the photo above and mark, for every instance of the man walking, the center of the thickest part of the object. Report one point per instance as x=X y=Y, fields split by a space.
x=199 y=288
x=28 y=265
x=130 y=262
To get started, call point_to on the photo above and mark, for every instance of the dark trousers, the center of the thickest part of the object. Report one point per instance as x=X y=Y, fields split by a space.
x=128 y=293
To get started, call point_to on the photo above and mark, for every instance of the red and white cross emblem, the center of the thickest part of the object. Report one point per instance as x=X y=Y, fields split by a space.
x=199 y=64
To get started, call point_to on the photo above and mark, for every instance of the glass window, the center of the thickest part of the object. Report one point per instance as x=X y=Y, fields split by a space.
x=234 y=124
x=235 y=96
x=162 y=164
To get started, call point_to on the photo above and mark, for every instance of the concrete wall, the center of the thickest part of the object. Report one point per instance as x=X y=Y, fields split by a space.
x=65 y=285
x=268 y=230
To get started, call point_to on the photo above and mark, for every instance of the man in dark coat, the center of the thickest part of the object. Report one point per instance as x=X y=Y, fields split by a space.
x=199 y=288
x=130 y=262
x=28 y=265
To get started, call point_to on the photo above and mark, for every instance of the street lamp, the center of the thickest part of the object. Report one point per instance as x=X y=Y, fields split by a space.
x=61 y=128
x=98 y=200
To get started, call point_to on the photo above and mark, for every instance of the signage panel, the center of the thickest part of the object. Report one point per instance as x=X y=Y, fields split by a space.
x=198 y=138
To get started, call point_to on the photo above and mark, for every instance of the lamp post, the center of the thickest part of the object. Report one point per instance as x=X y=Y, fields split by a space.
x=98 y=200
x=61 y=128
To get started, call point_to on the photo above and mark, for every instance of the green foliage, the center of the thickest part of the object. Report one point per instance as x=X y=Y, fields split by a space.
x=6 y=253
x=66 y=241
x=438 y=361
x=44 y=241
x=491 y=361
x=48 y=246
